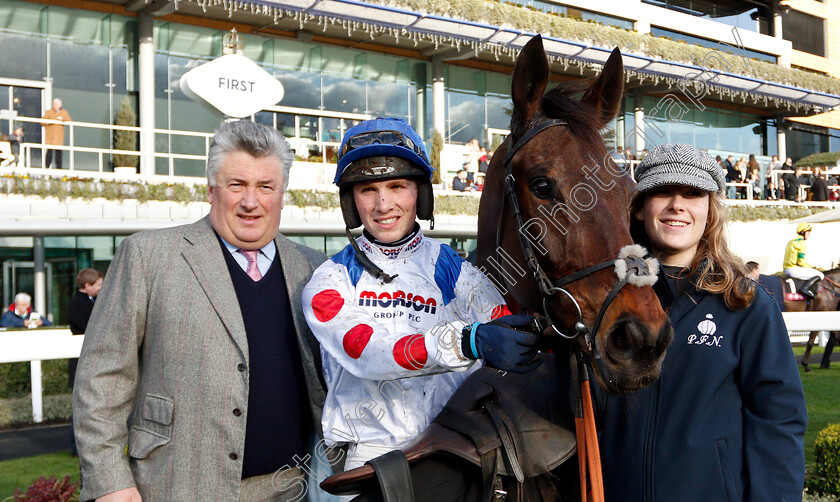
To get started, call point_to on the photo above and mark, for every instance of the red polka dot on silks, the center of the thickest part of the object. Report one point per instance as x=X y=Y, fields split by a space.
x=356 y=340
x=327 y=304
x=499 y=311
x=410 y=352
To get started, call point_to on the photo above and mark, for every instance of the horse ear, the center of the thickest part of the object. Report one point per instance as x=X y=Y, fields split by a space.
x=604 y=95
x=530 y=78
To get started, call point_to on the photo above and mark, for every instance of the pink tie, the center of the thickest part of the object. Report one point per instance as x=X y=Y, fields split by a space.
x=253 y=270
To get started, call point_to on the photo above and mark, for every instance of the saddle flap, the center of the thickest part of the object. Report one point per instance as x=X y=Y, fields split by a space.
x=538 y=404
x=435 y=439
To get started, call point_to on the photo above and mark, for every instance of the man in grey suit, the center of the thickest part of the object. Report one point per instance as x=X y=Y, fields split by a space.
x=198 y=378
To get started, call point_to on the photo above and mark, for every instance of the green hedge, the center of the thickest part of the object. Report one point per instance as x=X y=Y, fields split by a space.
x=826 y=477
x=15 y=378
x=19 y=410
x=821 y=159
x=770 y=213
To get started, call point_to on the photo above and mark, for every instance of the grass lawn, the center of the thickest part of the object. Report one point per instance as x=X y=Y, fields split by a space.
x=822 y=396
x=21 y=472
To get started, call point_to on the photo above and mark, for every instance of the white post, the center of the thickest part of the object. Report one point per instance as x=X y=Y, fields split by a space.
x=438 y=97
x=40 y=286
x=783 y=60
x=37 y=392
x=781 y=147
x=639 y=121
x=146 y=71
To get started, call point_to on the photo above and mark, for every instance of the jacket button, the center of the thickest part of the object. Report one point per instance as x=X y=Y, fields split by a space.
x=237 y=412
x=233 y=456
x=241 y=367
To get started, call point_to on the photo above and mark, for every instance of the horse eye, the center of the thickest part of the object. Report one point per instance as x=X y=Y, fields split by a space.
x=541 y=187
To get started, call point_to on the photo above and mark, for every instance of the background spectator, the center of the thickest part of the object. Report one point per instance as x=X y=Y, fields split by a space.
x=819 y=186
x=460 y=182
x=54 y=133
x=20 y=314
x=792 y=182
x=15 y=139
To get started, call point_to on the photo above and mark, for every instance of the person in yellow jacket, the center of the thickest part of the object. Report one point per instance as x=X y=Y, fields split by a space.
x=795 y=265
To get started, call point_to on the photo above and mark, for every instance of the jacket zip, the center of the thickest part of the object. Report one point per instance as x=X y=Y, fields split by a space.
x=649 y=440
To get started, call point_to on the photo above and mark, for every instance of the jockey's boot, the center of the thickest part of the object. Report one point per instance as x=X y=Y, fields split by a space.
x=807 y=289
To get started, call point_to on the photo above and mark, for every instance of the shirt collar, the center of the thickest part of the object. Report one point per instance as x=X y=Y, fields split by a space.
x=269 y=250
x=402 y=251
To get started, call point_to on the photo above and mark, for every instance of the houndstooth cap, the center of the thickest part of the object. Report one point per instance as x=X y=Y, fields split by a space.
x=679 y=164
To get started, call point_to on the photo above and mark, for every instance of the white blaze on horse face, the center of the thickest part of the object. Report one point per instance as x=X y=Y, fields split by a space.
x=387 y=208
x=675 y=218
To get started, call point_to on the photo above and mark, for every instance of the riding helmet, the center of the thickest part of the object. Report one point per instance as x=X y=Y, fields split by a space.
x=382 y=149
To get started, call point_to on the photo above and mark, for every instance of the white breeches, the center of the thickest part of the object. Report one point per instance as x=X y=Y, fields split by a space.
x=803 y=273
x=359 y=453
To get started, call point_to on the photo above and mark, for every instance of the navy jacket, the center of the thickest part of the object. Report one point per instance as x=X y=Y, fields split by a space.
x=726 y=420
x=10 y=319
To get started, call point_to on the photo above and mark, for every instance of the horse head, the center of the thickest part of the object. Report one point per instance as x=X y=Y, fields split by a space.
x=552 y=187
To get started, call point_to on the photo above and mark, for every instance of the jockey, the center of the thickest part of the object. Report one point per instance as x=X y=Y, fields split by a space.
x=401 y=317
x=795 y=265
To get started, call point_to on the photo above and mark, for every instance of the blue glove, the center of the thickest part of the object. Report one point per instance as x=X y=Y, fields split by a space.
x=507 y=343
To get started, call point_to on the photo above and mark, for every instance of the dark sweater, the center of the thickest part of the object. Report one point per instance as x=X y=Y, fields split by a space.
x=278 y=417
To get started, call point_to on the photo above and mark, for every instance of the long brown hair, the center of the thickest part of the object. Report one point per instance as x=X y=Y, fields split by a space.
x=715 y=268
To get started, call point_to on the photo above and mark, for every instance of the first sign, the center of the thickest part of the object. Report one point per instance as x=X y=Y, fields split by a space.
x=233 y=84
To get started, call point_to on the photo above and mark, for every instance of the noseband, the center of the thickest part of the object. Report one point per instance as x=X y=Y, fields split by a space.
x=632 y=265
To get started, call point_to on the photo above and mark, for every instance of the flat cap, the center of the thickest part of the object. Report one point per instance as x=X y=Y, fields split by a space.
x=679 y=164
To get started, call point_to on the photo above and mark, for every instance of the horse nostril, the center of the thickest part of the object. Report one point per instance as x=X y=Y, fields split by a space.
x=626 y=340
x=622 y=342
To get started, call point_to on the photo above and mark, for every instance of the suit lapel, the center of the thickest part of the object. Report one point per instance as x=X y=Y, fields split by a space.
x=295 y=274
x=204 y=256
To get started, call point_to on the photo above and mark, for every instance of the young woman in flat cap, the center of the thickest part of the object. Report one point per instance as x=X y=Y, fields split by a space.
x=726 y=419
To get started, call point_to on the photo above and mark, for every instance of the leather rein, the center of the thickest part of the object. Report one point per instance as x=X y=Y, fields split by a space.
x=589 y=460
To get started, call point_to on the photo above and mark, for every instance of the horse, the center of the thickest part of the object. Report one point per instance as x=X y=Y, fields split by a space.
x=585 y=280
x=573 y=211
x=827 y=300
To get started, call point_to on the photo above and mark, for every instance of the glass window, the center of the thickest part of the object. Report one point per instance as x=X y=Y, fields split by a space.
x=465 y=117
x=389 y=99
x=21 y=17
x=343 y=94
x=805 y=32
x=301 y=89
x=23 y=56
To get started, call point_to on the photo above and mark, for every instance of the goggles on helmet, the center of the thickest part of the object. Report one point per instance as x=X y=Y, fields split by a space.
x=394 y=138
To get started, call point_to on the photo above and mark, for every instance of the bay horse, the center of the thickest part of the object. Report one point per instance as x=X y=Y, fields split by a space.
x=553 y=235
x=827 y=300
x=574 y=204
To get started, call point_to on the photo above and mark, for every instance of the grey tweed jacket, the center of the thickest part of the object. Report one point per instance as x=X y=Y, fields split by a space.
x=165 y=362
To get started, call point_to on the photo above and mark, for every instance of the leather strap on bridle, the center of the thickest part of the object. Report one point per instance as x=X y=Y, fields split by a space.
x=589 y=455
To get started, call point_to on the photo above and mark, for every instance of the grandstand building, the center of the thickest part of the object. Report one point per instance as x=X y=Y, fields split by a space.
x=732 y=77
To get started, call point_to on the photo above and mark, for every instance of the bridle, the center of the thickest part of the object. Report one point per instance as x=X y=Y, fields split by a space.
x=637 y=265
x=631 y=266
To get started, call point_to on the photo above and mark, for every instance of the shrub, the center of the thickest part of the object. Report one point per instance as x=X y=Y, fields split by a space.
x=125 y=140
x=15 y=379
x=827 y=461
x=437 y=148
x=48 y=490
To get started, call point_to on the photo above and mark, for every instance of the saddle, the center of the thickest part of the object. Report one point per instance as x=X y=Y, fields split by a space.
x=798 y=289
x=516 y=428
